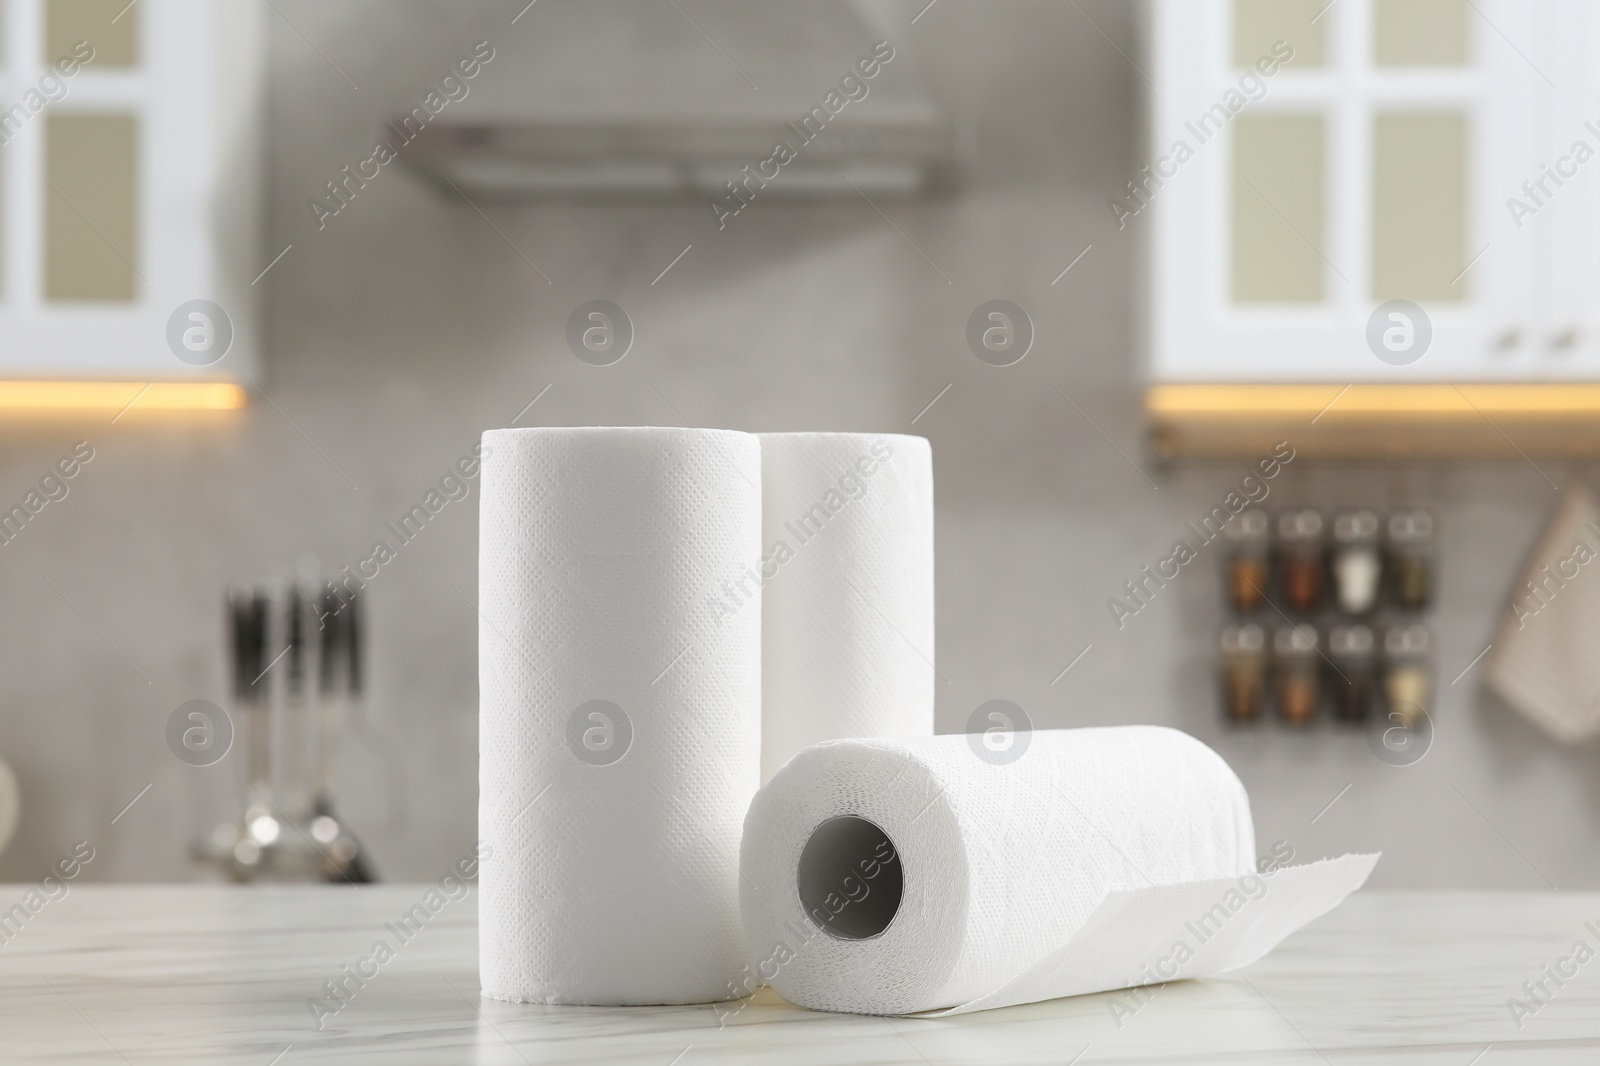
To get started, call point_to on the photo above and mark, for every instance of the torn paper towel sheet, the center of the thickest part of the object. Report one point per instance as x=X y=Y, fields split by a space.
x=620 y=711
x=1174 y=932
x=1545 y=661
x=847 y=589
x=938 y=874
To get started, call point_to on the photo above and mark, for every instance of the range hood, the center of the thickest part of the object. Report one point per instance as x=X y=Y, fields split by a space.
x=674 y=99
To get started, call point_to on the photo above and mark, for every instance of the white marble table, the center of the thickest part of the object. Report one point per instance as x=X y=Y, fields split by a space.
x=131 y=974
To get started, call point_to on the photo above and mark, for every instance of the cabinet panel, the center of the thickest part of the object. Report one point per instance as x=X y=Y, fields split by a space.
x=91 y=218
x=110 y=26
x=1429 y=33
x=1278 y=209
x=1555 y=202
x=1258 y=24
x=1419 y=206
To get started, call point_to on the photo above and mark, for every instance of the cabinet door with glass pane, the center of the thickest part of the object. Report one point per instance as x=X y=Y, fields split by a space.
x=128 y=187
x=1332 y=178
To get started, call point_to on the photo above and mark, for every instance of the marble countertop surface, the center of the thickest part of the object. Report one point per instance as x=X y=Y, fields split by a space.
x=190 y=974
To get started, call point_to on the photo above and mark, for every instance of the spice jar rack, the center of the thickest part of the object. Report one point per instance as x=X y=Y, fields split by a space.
x=1326 y=616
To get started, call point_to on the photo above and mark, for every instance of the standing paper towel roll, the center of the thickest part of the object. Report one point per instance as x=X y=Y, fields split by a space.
x=847 y=629
x=621 y=711
x=900 y=876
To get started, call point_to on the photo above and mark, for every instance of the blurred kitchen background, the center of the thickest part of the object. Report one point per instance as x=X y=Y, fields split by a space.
x=412 y=320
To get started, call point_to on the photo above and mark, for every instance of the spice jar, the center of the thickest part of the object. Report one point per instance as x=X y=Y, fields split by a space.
x=1297 y=662
x=1244 y=669
x=1407 y=673
x=1300 y=550
x=1411 y=559
x=1249 y=535
x=1356 y=565
x=1354 y=658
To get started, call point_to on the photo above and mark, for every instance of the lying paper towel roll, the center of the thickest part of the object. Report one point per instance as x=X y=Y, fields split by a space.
x=847 y=569
x=620 y=711
x=901 y=876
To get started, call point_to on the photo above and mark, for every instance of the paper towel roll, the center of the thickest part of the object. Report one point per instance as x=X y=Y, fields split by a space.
x=900 y=876
x=847 y=569
x=620 y=711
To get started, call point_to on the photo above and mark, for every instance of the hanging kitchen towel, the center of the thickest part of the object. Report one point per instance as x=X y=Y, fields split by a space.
x=847 y=589
x=940 y=874
x=620 y=717
x=1546 y=659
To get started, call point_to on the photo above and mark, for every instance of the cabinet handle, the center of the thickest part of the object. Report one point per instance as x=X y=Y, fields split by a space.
x=1509 y=339
x=1566 y=340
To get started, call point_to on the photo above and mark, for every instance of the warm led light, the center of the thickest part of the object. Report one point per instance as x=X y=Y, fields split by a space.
x=120 y=395
x=1336 y=402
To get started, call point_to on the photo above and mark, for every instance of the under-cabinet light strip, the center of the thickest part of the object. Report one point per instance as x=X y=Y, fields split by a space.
x=119 y=395
x=1340 y=401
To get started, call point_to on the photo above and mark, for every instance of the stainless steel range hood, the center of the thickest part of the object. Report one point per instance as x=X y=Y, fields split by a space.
x=674 y=99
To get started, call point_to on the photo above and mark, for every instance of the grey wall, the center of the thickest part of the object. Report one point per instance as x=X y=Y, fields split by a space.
x=408 y=325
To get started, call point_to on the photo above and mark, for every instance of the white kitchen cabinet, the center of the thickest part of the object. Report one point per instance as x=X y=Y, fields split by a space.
x=1375 y=165
x=1566 y=283
x=129 y=189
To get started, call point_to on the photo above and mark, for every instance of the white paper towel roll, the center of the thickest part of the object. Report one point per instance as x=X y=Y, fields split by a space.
x=620 y=711
x=901 y=876
x=847 y=628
